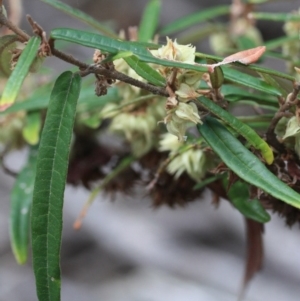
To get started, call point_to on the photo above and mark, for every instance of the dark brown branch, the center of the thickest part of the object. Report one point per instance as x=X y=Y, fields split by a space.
x=66 y=57
x=129 y=80
x=85 y=69
x=111 y=74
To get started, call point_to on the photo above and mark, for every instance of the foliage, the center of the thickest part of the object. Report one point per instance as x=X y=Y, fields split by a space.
x=252 y=161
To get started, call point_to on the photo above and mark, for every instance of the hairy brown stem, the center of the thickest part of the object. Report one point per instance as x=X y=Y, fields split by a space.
x=66 y=57
x=85 y=69
x=113 y=74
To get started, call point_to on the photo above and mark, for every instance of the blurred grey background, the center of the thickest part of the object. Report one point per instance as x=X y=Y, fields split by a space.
x=125 y=251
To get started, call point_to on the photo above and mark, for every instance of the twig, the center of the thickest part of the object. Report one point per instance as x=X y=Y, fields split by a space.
x=113 y=74
x=85 y=69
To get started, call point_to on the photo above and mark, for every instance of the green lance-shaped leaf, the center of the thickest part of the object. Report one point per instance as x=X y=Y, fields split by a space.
x=48 y=194
x=249 y=81
x=18 y=75
x=39 y=99
x=245 y=164
x=149 y=21
x=7 y=43
x=21 y=199
x=80 y=15
x=141 y=68
x=278 y=42
x=235 y=93
x=271 y=80
x=283 y=17
x=145 y=71
x=234 y=75
x=241 y=128
x=240 y=198
x=195 y=18
x=115 y=46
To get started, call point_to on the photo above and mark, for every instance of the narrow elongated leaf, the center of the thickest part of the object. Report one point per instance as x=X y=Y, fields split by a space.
x=18 y=75
x=195 y=35
x=283 y=17
x=278 y=42
x=196 y=18
x=241 y=128
x=239 y=196
x=252 y=67
x=271 y=72
x=234 y=93
x=40 y=100
x=119 y=55
x=21 y=199
x=145 y=71
x=149 y=21
x=52 y=164
x=249 y=81
x=271 y=80
x=114 y=46
x=243 y=163
x=80 y=15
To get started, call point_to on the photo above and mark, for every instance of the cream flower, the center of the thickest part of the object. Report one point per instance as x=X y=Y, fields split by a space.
x=169 y=143
x=186 y=92
x=180 y=118
x=192 y=161
x=176 y=52
x=188 y=112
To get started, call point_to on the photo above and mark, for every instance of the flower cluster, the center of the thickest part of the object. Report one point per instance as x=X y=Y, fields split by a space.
x=181 y=113
x=138 y=114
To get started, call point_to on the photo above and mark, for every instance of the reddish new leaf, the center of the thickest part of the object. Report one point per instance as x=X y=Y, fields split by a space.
x=246 y=57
